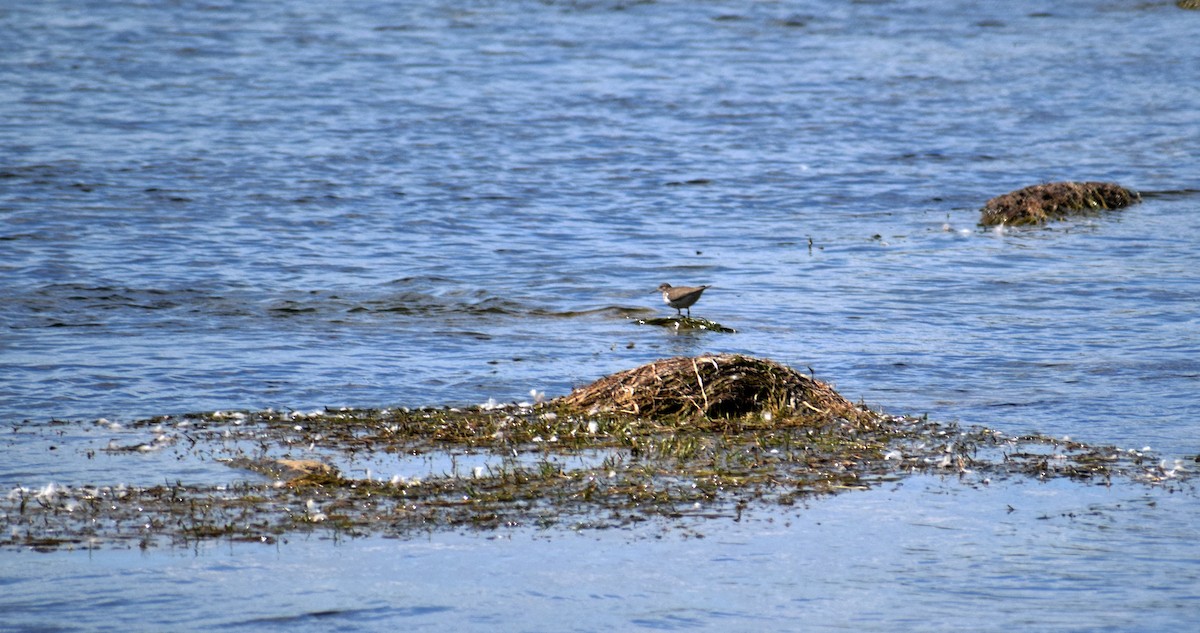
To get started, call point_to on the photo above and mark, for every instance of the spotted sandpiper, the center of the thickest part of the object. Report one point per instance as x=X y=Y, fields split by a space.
x=681 y=298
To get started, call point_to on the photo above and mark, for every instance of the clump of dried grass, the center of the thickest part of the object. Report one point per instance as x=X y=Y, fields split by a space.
x=1039 y=203
x=721 y=386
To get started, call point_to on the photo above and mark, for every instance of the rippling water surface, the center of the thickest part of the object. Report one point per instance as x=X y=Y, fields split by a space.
x=208 y=205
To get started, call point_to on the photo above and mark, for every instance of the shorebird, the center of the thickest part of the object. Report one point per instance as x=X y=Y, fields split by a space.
x=681 y=298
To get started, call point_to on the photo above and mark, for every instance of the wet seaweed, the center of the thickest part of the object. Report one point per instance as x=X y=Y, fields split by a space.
x=686 y=324
x=1051 y=201
x=563 y=464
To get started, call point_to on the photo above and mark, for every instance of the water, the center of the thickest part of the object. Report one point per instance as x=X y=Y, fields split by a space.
x=1014 y=560
x=213 y=206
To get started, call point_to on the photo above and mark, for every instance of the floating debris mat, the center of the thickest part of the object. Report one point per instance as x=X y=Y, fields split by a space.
x=678 y=441
x=1056 y=200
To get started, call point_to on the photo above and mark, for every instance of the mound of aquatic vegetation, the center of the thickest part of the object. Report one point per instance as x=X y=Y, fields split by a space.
x=686 y=324
x=1055 y=200
x=682 y=439
x=721 y=386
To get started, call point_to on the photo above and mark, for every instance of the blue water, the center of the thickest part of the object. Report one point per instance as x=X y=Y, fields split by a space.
x=208 y=205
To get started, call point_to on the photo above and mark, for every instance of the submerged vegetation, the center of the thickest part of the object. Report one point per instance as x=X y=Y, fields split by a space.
x=685 y=438
x=1055 y=200
x=686 y=323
